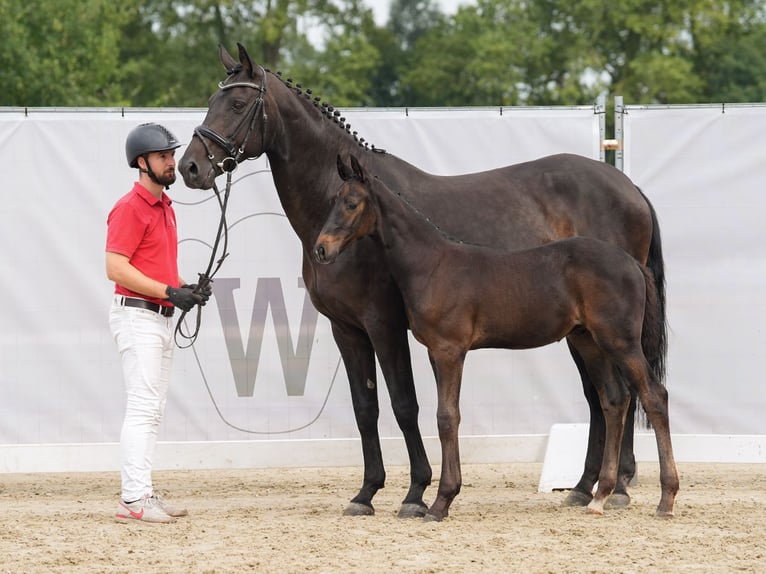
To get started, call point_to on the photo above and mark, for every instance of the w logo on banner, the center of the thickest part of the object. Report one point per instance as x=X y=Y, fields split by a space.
x=245 y=359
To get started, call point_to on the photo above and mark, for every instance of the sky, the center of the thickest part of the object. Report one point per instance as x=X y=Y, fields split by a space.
x=380 y=8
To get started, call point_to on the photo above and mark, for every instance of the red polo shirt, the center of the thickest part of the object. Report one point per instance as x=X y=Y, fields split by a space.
x=143 y=228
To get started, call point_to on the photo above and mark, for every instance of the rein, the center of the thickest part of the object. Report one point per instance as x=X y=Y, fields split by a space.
x=227 y=165
x=207 y=277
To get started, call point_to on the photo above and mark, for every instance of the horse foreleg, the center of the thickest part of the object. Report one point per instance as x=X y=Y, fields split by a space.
x=359 y=359
x=448 y=368
x=393 y=352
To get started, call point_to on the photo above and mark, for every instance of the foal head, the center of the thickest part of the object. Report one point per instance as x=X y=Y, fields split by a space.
x=353 y=215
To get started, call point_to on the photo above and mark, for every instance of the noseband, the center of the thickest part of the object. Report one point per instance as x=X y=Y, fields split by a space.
x=233 y=151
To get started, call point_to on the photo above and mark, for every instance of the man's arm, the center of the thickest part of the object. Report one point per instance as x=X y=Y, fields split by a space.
x=119 y=270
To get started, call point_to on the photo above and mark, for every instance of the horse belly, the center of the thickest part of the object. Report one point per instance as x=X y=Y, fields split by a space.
x=521 y=331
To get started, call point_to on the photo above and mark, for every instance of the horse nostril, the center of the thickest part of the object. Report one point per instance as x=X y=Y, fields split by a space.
x=191 y=168
x=320 y=253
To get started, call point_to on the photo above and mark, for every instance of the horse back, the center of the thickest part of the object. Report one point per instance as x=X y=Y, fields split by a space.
x=532 y=203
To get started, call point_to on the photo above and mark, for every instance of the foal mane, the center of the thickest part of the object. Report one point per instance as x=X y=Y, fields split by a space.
x=418 y=212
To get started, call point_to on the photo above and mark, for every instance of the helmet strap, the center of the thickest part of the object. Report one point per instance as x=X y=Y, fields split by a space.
x=149 y=171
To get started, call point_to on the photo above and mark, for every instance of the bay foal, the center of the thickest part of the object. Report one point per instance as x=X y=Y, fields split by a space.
x=460 y=297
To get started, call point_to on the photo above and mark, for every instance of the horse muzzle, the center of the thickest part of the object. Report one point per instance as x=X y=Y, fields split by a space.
x=194 y=176
x=321 y=256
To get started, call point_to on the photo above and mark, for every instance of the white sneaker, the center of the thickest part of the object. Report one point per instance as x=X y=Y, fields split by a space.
x=169 y=509
x=146 y=509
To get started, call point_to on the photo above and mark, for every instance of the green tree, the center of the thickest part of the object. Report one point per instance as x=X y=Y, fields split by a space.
x=342 y=70
x=499 y=52
x=730 y=50
x=61 y=53
x=408 y=21
x=172 y=45
x=491 y=52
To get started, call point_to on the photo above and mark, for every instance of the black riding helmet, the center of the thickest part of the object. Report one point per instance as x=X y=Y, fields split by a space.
x=147 y=138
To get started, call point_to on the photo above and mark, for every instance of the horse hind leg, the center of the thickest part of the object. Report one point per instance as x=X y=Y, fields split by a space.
x=654 y=399
x=615 y=400
x=592 y=365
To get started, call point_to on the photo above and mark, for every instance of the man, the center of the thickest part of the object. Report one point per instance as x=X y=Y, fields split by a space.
x=141 y=259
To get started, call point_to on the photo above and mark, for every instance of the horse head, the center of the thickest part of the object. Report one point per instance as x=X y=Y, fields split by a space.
x=234 y=128
x=353 y=215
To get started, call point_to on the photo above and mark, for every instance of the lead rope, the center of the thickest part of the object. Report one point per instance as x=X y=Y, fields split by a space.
x=207 y=277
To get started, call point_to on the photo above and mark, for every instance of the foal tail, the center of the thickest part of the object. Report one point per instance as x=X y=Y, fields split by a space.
x=654 y=339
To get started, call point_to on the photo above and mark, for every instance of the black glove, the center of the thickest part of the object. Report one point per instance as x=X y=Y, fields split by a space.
x=185 y=298
x=204 y=290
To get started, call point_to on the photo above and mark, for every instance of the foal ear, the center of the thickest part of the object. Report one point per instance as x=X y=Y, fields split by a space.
x=226 y=59
x=344 y=171
x=358 y=171
x=244 y=59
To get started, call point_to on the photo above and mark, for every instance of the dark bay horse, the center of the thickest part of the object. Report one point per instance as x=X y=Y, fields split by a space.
x=459 y=297
x=519 y=206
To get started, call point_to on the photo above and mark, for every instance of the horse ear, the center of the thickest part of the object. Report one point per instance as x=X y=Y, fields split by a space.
x=226 y=59
x=244 y=59
x=358 y=171
x=344 y=171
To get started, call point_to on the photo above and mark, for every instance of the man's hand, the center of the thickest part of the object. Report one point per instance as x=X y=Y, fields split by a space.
x=185 y=298
x=205 y=290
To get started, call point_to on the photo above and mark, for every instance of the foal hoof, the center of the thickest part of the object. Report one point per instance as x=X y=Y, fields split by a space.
x=358 y=509
x=594 y=508
x=412 y=510
x=617 y=500
x=577 y=498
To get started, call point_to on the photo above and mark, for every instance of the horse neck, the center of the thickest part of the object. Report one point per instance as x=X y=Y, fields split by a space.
x=413 y=246
x=302 y=151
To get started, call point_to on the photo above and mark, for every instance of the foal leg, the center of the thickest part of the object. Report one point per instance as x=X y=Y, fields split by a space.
x=615 y=399
x=448 y=367
x=581 y=347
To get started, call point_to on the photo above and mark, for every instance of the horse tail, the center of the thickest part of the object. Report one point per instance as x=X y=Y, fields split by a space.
x=650 y=335
x=655 y=335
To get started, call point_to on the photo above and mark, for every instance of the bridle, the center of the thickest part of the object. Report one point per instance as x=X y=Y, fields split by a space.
x=227 y=165
x=235 y=152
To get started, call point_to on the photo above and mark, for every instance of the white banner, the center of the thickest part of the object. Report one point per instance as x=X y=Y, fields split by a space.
x=265 y=365
x=704 y=167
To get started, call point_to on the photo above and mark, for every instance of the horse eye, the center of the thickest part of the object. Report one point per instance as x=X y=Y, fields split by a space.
x=351 y=206
x=238 y=105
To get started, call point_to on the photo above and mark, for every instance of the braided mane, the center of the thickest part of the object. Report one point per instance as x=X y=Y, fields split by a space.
x=324 y=108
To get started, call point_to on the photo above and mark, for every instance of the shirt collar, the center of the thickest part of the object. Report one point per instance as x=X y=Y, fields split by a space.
x=148 y=197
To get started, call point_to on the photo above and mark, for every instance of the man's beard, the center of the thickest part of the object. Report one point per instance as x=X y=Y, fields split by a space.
x=166 y=179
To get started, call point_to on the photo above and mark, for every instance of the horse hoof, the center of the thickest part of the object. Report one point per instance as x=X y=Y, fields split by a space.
x=577 y=498
x=595 y=508
x=665 y=514
x=432 y=518
x=412 y=510
x=358 y=509
x=617 y=500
